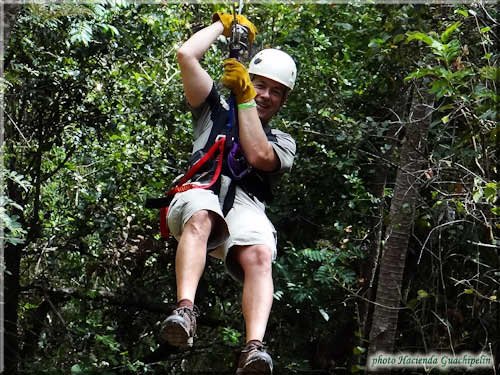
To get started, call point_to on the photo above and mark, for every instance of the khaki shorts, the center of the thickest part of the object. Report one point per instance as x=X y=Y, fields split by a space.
x=186 y=204
x=245 y=224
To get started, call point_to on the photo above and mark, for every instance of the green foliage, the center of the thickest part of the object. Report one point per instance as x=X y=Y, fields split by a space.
x=12 y=230
x=98 y=123
x=327 y=267
x=231 y=336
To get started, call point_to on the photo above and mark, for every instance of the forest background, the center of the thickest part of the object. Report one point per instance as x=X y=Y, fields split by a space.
x=387 y=224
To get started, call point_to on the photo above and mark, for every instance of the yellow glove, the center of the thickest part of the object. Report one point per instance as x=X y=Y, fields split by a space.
x=227 y=21
x=236 y=79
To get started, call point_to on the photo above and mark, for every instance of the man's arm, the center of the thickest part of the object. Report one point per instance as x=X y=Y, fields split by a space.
x=257 y=149
x=197 y=82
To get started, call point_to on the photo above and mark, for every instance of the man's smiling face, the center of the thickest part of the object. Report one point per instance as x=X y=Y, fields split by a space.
x=270 y=97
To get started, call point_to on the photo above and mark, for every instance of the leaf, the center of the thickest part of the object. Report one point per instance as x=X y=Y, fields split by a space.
x=422 y=294
x=315 y=255
x=114 y=30
x=358 y=350
x=490 y=72
x=411 y=304
x=81 y=33
x=468 y=291
x=343 y=25
x=420 y=73
x=427 y=39
x=99 y=10
x=416 y=35
x=477 y=195
x=324 y=314
x=490 y=192
x=398 y=38
x=19 y=179
x=278 y=295
x=447 y=33
x=495 y=211
x=460 y=207
x=76 y=369
x=107 y=27
x=375 y=43
x=230 y=335
x=462 y=12
x=440 y=88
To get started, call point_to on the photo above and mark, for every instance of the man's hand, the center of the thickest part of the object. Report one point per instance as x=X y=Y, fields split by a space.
x=227 y=21
x=236 y=79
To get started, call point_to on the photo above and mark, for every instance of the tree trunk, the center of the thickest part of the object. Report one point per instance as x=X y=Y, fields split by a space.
x=370 y=267
x=385 y=315
x=376 y=185
x=369 y=271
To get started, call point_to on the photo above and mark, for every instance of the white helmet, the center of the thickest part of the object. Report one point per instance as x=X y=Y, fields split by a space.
x=276 y=65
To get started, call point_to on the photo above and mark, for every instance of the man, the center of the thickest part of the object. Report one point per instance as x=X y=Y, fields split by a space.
x=230 y=220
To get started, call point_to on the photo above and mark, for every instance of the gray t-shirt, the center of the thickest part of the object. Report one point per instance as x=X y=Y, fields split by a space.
x=213 y=111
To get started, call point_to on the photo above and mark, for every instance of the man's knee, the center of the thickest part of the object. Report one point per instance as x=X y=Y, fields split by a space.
x=200 y=224
x=256 y=257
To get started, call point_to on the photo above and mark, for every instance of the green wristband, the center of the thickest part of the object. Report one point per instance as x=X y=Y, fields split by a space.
x=250 y=104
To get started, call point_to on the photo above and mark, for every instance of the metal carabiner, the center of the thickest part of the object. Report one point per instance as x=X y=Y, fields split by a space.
x=239 y=42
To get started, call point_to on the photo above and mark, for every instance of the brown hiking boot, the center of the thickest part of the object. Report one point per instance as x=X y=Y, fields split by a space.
x=180 y=327
x=254 y=360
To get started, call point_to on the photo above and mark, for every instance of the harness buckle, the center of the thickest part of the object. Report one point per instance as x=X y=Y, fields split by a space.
x=219 y=137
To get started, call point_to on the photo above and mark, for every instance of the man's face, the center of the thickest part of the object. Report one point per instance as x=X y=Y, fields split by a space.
x=270 y=96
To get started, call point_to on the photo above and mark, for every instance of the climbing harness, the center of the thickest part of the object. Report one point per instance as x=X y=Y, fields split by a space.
x=181 y=185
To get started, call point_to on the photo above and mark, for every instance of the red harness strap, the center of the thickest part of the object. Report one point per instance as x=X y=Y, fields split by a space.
x=181 y=186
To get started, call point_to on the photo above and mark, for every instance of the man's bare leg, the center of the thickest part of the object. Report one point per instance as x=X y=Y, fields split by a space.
x=191 y=254
x=256 y=263
x=180 y=327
